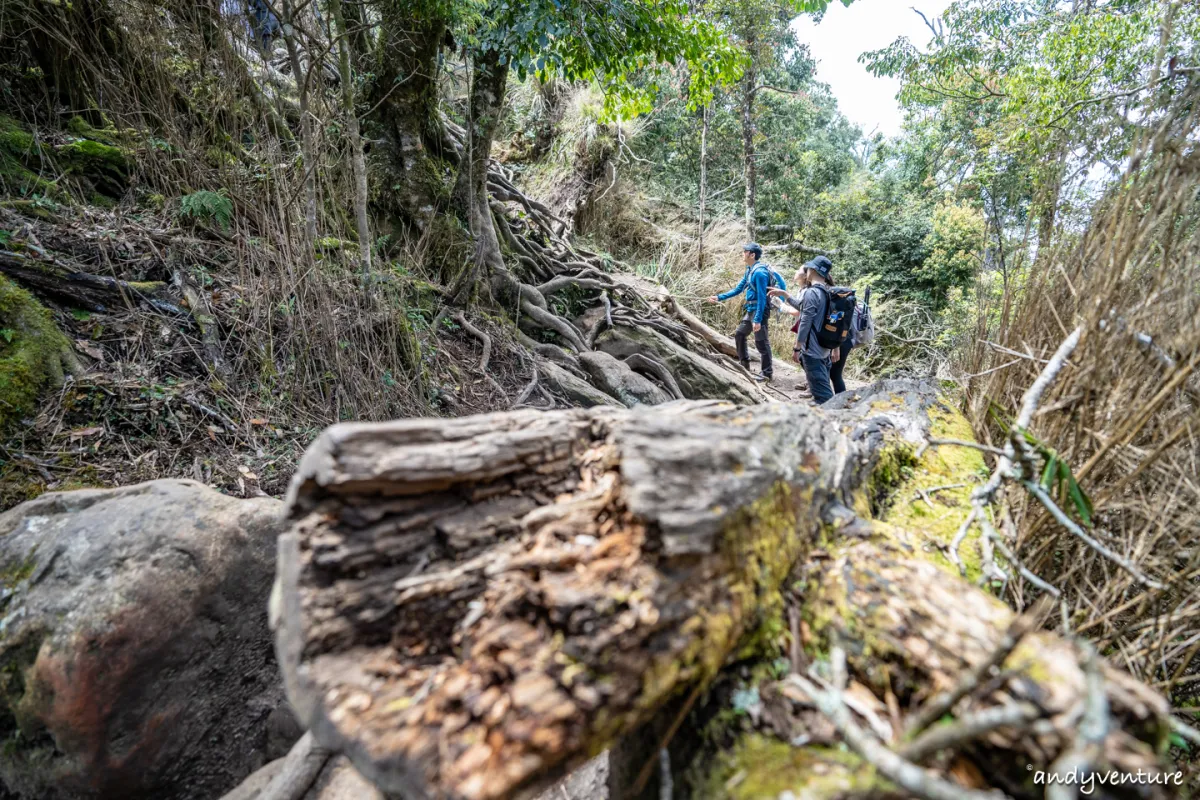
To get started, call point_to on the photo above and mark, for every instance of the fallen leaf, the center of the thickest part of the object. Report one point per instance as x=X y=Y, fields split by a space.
x=80 y=433
x=258 y=421
x=89 y=349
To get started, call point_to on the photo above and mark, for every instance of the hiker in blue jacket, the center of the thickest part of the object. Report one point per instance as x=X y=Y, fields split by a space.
x=758 y=279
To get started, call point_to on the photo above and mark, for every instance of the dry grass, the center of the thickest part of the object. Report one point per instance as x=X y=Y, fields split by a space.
x=1124 y=413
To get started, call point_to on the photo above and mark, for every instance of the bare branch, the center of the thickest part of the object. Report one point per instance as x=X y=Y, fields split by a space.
x=969 y=729
x=941 y=703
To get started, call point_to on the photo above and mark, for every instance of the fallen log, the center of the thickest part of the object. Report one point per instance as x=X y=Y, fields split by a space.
x=468 y=608
x=59 y=278
x=694 y=323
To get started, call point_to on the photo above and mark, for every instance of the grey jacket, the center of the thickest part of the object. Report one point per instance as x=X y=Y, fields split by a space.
x=812 y=308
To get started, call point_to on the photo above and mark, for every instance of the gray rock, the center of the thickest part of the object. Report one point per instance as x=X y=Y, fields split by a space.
x=338 y=780
x=698 y=378
x=575 y=389
x=588 y=782
x=135 y=655
x=614 y=377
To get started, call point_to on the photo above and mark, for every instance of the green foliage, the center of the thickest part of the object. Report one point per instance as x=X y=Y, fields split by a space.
x=954 y=247
x=206 y=206
x=1021 y=105
x=608 y=43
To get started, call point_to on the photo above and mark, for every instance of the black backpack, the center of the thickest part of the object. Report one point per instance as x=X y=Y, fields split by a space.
x=839 y=311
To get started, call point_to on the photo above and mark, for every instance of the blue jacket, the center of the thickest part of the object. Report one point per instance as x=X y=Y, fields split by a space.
x=758 y=278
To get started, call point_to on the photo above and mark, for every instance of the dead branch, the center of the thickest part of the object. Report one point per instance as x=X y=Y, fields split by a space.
x=941 y=704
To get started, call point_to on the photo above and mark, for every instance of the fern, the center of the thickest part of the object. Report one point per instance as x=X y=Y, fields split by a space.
x=206 y=206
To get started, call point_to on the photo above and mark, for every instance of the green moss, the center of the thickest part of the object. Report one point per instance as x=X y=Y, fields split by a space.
x=89 y=154
x=31 y=351
x=331 y=243
x=21 y=159
x=40 y=207
x=11 y=575
x=900 y=479
x=80 y=127
x=759 y=547
x=893 y=468
x=14 y=139
x=761 y=768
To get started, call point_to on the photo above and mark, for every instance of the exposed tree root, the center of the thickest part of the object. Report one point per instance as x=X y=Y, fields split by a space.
x=484 y=359
x=644 y=363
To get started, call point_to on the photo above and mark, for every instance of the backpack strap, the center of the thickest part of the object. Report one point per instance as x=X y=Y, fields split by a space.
x=828 y=297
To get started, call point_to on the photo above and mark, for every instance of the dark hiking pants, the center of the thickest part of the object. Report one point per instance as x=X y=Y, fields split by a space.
x=761 y=343
x=817 y=371
x=835 y=371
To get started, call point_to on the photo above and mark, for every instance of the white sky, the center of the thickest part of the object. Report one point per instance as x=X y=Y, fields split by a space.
x=844 y=33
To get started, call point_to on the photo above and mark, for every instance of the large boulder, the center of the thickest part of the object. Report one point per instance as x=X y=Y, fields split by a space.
x=135 y=655
x=614 y=377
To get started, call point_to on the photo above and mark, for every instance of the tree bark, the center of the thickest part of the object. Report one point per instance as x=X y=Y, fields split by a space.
x=405 y=96
x=469 y=607
x=488 y=80
x=357 y=160
x=307 y=137
x=703 y=186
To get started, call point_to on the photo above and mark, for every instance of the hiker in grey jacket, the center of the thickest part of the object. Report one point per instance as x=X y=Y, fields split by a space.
x=815 y=359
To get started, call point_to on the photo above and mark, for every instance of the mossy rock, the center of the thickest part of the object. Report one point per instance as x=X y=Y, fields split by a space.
x=21 y=161
x=93 y=161
x=78 y=126
x=33 y=352
x=104 y=166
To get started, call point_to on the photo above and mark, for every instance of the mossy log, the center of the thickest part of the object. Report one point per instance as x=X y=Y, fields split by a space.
x=468 y=608
x=60 y=278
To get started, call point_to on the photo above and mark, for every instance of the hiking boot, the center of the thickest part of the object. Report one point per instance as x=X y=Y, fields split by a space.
x=745 y=365
x=761 y=378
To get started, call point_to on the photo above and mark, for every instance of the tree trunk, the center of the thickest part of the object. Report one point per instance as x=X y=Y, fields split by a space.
x=703 y=186
x=357 y=159
x=405 y=96
x=307 y=140
x=748 y=155
x=488 y=80
x=1048 y=212
x=469 y=607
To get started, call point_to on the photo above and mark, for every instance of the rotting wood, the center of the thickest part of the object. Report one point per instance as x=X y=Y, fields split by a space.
x=59 y=278
x=468 y=608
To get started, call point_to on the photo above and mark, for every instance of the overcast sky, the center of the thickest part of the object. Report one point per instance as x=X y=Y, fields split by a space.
x=844 y=34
